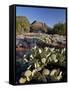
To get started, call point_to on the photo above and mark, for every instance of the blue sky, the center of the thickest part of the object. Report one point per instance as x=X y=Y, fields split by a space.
x=48 y=15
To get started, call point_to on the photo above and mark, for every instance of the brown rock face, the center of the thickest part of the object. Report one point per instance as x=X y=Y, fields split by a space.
x=38 y=27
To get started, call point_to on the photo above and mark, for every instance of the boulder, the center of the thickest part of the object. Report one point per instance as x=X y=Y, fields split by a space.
x=38 y=27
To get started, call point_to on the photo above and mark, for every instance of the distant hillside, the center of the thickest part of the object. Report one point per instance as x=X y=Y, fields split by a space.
x=22 y=24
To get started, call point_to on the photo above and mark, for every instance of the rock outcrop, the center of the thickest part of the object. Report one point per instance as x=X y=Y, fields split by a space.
x=38 y=27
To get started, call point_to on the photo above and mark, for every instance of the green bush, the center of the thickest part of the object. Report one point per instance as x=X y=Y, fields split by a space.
x=22 y=25
x=59 y=28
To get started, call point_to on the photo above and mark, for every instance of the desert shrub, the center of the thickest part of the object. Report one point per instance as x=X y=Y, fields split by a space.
x=22 y=25
x=59 y=28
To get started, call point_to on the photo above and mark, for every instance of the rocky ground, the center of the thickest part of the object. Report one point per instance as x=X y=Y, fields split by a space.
x=40 y=58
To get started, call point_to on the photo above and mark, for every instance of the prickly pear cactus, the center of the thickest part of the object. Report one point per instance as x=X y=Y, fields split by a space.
x=42 y=64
